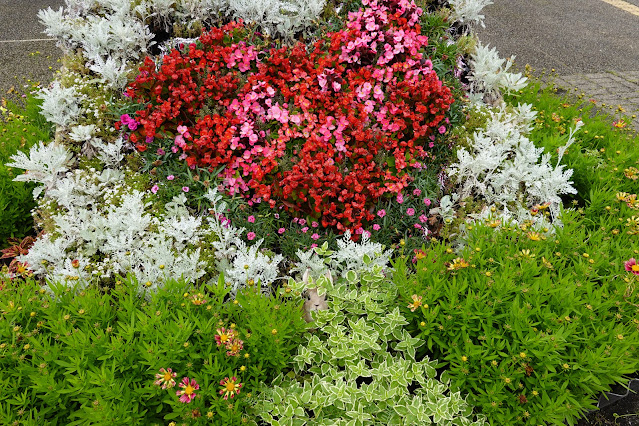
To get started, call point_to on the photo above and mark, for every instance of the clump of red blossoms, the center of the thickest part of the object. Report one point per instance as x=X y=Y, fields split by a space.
x=325 y=130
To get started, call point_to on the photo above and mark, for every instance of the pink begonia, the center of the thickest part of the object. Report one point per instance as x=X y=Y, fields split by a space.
x=417 y=192
x=410 y=211
x=170 y=177
x=154 y=189
x=427 y=201
x=400 y=198
x=315 y=236
x=251 y=236
x=185 y=188
x=182 y=129
x=281 y=230
x=376 y=227
x=381 y=213
x=251 y=219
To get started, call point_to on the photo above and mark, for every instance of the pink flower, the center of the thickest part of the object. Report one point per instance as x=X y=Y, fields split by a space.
x=418 y=226
x=442 y=130
x=281 y=231
x=165 y=378
x=250 y=236
x=170 y=177
x=154 y=189
x=276 y=215
x=314 y=224
x=174 y=149
x=185 y=188
x=160 y=151
x=230 y=387
x=632 y=266
x=304 y=229
x=313 y=245
x=366 y=234
x=423 y=218
x=417 y=192
x=187 y=394
x=182 y=129
x=400 y=198
x=359 y=231
x=251 y=219
x=410 y=211
x=315 y=236
x=381 y=213
x=302 y=222
x=427 y=201
x=376 y=227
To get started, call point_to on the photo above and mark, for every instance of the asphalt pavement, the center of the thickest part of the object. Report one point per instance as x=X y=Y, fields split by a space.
x=25 y=57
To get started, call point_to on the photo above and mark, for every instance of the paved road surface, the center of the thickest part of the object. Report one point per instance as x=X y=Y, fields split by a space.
x=592 y=44
x=19 y=61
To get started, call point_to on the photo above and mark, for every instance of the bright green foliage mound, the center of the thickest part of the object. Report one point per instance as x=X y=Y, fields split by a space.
x=92 y=358
x=20 y=128
x=359 y=367
x=533 y=327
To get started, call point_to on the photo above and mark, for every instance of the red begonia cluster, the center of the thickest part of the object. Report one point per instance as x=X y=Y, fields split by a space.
x=325 y=130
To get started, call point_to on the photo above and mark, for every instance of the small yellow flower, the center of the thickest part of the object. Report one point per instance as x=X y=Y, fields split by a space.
x=464 y=358
x=488 y=274
x=494 y=363
x=32 y=314
x=161 y=266
x=274 y=332
x=186 y=344
x=148 y=284
x=507 y=380
x=522 y=354
x=209 y=414
x=423 y=324
x=620 y=336
x=247 y=355
x=243 y=368
x=566 y=366
x=535 y=236
x=81 y=311
x=535 y=393
x=458 y=263
x=66 y=317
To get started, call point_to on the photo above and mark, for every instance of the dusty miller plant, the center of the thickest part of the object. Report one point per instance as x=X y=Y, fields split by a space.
x=504 y=168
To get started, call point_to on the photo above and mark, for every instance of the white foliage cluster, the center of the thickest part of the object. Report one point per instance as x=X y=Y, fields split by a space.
x=505 y=168
x=285 y=17
x=238 y=262
x=490 y=74
x=365 y=256
x=42 y=165
x=60 y=105
x=108 y=229
x=469 y=11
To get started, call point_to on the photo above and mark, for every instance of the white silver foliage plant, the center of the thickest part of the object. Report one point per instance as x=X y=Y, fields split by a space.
x=60 y=105
x=469 y=11
x=491 y=75
x=505 y=168
x=42 y=165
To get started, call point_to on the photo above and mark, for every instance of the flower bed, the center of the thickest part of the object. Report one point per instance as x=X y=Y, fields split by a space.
x=212 y=183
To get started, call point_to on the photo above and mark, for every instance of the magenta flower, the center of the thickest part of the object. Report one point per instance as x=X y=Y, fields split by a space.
x=417 y=192
x=251 y=219
x=427 y=201
x=632 y=266
x=170 y=177
x=251 y=236
x=230 y=387
x=376 y=227
x=154 y=189
x=160 y=151
x=400 y=198
x=182 y=129
x=442 y=130
x=281 y=231
x=381 y=213
x=314 y=224
x=165 y=378
x=410 y=211
x=305 y=229
x=187 y=394
x=423 y=218
x=315 y=236
x=185 y=188
x=302 y=222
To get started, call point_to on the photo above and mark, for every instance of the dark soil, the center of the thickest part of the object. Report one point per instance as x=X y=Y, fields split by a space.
x=624 y=412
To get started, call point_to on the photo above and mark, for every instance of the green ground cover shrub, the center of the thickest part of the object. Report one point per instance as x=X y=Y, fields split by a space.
x=21 y=127
x=536 y=323
x=92 y=357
